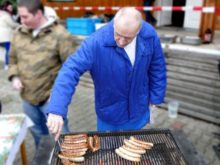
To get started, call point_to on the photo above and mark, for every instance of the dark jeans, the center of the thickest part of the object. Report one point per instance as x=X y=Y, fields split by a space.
x=37 y=113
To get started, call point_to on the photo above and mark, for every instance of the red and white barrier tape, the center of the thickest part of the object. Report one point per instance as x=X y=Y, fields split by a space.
x=142 y=8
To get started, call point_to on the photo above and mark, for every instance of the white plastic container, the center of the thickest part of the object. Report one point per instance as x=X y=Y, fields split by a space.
x=173 y=106
x=153 y=115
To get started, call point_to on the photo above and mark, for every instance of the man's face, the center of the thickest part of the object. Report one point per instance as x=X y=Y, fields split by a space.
x=123 y=36
x=31 y=21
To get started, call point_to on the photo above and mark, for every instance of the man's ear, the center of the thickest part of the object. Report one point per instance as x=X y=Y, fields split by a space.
x=39 y=13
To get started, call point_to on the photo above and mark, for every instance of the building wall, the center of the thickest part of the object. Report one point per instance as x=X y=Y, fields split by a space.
x=208 y=19
x=163 y=17
x=217 y=25
x=64 y=14
x=192 y=18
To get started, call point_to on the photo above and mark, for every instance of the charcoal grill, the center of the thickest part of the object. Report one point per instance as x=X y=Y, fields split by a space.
x=164 y=152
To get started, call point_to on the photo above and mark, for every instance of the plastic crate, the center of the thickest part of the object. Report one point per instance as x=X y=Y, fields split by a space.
x=81 y=26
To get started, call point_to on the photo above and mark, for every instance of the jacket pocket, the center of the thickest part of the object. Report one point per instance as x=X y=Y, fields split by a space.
x=115 y=113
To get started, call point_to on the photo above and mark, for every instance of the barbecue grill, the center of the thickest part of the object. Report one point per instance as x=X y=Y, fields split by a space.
x=164 y=152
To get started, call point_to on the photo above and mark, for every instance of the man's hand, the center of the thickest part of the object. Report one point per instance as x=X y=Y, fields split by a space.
x=55 y=125
x=17 y=84
x=153 y=106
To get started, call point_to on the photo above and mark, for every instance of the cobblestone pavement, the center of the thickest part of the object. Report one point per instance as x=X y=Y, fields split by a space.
x=82 y=118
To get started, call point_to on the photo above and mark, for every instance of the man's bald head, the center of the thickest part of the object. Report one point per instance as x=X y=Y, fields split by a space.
x=128 y=17
x=127 y=23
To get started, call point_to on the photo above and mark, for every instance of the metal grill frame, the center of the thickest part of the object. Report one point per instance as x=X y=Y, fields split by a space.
x=165 y=151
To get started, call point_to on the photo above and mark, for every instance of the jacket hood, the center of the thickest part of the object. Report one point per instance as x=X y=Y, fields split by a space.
x=49 y=23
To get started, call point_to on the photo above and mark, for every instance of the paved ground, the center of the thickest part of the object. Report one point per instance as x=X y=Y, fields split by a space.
x=82 y=118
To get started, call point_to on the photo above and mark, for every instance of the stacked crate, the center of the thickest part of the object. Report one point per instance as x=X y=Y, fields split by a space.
x=81 y=26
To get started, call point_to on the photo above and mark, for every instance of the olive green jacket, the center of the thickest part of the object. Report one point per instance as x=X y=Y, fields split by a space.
x=37 y=60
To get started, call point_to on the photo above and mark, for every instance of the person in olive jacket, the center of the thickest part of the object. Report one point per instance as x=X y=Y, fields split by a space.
x=38 y=49
x=128 y=69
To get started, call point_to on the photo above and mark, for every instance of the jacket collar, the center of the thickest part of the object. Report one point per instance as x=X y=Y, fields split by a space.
x=46 y=29
x=109 y=40
x=143 y=42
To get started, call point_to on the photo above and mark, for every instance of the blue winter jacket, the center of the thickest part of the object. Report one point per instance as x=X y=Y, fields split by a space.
x=122 y=92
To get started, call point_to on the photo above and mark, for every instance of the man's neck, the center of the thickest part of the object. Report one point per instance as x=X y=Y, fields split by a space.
x=42 y=22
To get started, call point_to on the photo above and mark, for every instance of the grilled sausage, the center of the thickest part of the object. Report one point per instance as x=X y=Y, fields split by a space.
x=65 y=162
x=96 y=143
x=75 y=150
x=74 y=146
x=127 y=157
x=74 y=141
x=74 y=159
x=137 y=151
x=129 y=153
x=90 y=142
x=141 y=142
x=129 y=144
x=73 y=154
x=75 y=137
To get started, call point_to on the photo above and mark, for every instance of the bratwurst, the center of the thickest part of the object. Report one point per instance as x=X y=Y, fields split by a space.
x=133 y=149
x=127 y=157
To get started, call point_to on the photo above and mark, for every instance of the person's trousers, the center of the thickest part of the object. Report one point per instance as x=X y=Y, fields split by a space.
x=37 y=113
x=6 y=45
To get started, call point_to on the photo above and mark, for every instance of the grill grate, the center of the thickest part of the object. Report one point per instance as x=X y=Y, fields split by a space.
x=164 y=152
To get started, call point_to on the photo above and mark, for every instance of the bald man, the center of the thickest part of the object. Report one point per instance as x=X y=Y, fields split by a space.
x=127 y=65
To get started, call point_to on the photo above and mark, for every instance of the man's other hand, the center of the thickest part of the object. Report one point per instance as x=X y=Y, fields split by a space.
x=153 y=106
x=55 y=125
x=17 y=84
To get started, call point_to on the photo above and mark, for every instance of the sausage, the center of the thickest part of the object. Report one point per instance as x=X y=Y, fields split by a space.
x=100 y=161
x=74 y=159
x=76 y=137
x=75 y=150
x=127 y=157
x=141 y=142
x=73 y=154
x=74 y=141
x=138 y=151
x=73 y=163
x=65 y=162
x=96 y=143
x=129 y=153
x=90 y=142
x=74 y=146
x=129 y=144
